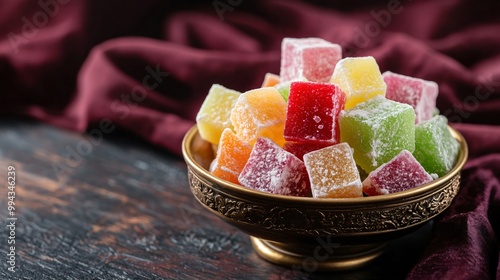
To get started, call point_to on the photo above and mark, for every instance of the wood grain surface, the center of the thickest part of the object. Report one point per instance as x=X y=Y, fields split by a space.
x=115 y=207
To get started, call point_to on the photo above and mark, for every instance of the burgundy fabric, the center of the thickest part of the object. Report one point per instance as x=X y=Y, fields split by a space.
x=145 y=67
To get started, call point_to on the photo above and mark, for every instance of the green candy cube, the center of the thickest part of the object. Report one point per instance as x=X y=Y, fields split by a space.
x=378 y=130
x=435 y=148
x=284 y=89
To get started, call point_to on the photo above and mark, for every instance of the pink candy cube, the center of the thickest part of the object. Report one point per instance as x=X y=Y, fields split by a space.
x=313 y=111
x=418 y=93
x=401 y=173
x=274 y=170
x=313 y=59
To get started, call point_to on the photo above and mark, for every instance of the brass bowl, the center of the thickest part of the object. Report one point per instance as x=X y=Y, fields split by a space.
x=327 y=233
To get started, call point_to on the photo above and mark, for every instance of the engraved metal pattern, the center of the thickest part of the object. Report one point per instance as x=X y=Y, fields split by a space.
x=324 y=221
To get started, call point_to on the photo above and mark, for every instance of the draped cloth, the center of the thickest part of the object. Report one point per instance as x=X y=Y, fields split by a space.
x=145 y=68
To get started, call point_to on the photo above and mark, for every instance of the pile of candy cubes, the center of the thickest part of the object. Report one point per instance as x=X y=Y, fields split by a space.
x=328 y=127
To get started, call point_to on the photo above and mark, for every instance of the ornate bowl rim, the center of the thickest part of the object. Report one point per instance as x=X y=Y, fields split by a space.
x=310 y=201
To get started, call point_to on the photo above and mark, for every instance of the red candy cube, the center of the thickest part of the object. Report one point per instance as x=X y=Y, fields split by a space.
x=300 y=149
x=312 y=113
x=401 y=173
x=274 y=170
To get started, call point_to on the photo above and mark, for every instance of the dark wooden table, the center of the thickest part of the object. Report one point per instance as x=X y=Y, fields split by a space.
x=122 y=209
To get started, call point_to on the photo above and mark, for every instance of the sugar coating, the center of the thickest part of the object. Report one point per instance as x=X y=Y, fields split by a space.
x=299 y=149
x=260 y=113
x=232 y=155
x=359 y=78
x=378 y=130
x=274 y=170
x=401 y=173
x=214 y=114
x=270 y=80
x=311 y=58
x=435 y=147
x=333 y=173
x=418 y=93
x=312 y=113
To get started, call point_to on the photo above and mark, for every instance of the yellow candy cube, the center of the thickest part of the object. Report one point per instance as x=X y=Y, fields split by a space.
x=260 y=113
x=333 y=172
x=214 y=114
x=359 y=78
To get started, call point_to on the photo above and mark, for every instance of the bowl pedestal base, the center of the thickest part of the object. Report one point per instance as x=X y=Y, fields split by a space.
x=317 y=258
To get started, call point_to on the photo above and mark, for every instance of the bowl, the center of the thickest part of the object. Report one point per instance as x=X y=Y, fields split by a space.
x=327 y=233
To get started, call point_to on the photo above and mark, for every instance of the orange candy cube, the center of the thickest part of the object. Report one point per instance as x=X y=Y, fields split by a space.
x=270 y=80
x=232 y=155
x=260 y=113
